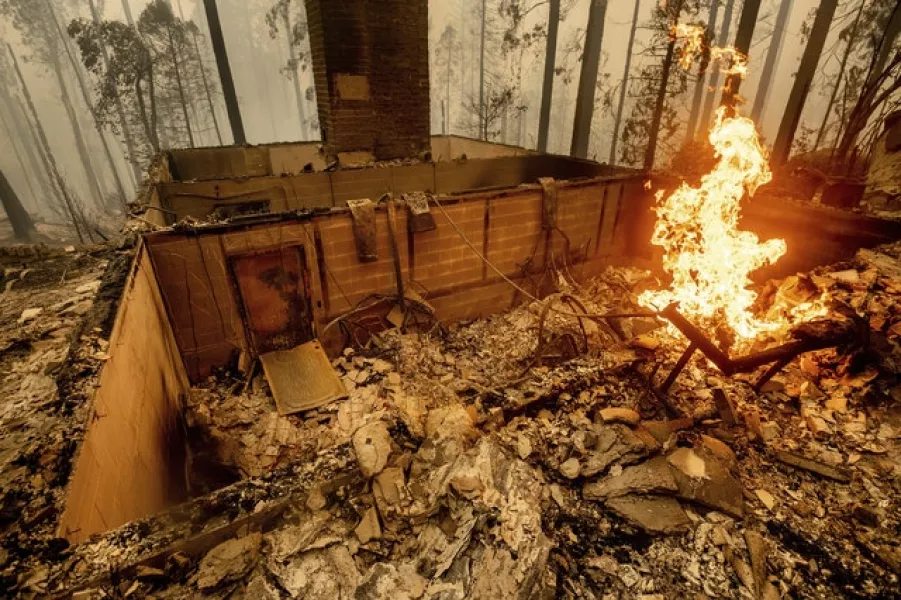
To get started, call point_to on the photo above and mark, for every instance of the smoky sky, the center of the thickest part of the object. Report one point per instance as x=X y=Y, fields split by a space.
x=268 y=103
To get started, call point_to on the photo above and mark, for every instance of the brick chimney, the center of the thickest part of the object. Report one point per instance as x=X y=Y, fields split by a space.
x=371 y=68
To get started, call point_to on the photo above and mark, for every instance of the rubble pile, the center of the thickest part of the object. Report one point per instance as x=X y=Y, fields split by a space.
x=56 y=308
x=466 y=465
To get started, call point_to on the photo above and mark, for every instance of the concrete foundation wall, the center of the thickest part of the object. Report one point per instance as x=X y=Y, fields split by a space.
x=194 y=274
x=131 y=462
x=293 y=158
x=177 y=200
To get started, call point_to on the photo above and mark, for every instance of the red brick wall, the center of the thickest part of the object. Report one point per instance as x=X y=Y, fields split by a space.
x=371 y=70
x=599 y=217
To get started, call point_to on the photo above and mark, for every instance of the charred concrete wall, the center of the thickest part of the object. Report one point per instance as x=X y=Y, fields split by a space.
x=371 y=70
x=179 y=199
x=194 y=273
x=131 y=462
x=293 y=158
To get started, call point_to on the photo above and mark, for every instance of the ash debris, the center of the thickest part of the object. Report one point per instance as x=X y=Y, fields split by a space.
x=463 y=465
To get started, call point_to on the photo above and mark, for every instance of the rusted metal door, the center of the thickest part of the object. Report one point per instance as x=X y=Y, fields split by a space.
x=274 y=289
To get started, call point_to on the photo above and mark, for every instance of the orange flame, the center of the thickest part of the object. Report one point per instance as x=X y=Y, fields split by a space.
x=693 y=36
x=732 y=62
x=709 y=258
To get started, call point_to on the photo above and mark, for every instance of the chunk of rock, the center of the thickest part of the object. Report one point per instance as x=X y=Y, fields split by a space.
x=719 y=448
x=386 y=581
x=615 y=443
x=718 y=490
x=372 y=443
x=369 y=528
x=29 y=314
x=523 y=446
x=663 y=430
x=450 y=422
x=571 y=468
x=626 y=416
x=229 y=561
x=653 y=476
x=655 y=514
x=687 y=461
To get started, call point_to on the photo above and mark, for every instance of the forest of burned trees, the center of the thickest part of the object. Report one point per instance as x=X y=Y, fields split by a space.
x=542 y=74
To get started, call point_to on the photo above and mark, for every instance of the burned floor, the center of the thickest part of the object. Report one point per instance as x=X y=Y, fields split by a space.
x=524 y=454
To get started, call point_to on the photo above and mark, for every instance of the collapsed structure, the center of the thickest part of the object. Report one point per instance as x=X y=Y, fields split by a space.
x=405 y=366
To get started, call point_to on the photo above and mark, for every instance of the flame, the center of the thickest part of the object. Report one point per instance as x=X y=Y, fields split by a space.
x=693 y=36
x=731 y=61
x=709 y=258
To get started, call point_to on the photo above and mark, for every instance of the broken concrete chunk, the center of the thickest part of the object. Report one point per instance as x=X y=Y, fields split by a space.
x=718 y=448
x=718 y=490
x=450 y=422
x=766 y=498
x=652 y=476
x=229 y=561
x=523 y=446
x=626 y=416
x=369 y=528
x=688 y=462
x=29 y=314
x=614 y=443
x=663 y=430
x=385 y=581
x=372 y=443
x=655 y=514
x=570 y=468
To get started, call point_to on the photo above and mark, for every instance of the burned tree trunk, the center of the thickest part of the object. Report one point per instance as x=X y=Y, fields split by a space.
x=702 y=75
x=801 y=86
x=852 y=39
x=203 y=78
x=87 y=100
x=651 y=150
x=625 y=84
x=588 y=79
x=772 y=54
x=715 y=78
x=120 y=110
x=876 y=76
x=8 y=129
x=743 y=44
x=547 y=86
x=225 y=74
x=70 y=207
x=18 y=122
x=295 y=75
x=182 y=98
x=23 y=227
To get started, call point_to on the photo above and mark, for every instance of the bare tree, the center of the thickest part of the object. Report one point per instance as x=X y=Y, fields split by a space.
x=23 y=227
x=801 y=85
x=713 y=89
x=702 y=74
x=588 y=78
x=743 y=37
x=225 y=75
x=34 y=18
x=75 y=215
x=772 y=54
x=547 y=85
x=852 y=40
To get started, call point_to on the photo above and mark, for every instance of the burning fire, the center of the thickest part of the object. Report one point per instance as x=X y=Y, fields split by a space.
x=708 y=257
x=732 y=62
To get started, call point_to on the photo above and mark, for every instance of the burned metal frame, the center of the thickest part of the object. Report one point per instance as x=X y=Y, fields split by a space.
x=777 y=357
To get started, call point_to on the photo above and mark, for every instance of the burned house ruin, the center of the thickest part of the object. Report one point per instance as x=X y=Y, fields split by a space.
x=402 y=365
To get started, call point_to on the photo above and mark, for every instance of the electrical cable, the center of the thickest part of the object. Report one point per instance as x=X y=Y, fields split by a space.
x=529 y=295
